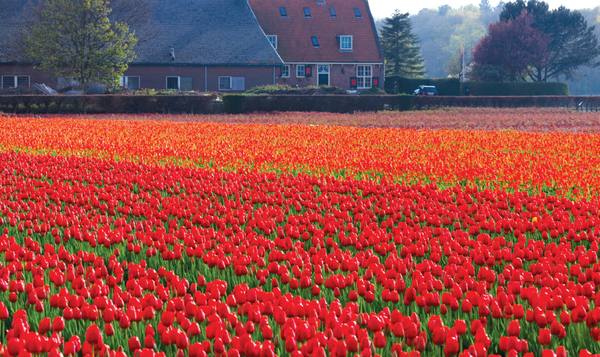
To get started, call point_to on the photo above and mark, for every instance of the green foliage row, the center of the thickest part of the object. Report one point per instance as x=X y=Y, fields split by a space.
x=45 y=104
x=286 y=89
x=444 y=86
x=515 y=88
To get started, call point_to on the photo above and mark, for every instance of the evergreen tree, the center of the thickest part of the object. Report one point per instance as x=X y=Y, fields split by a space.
x=401 y=47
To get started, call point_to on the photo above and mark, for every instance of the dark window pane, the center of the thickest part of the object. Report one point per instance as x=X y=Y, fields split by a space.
x=23 y=81
x=357 y=12
x=8 y=81
x=332 y=11
x=283 y=12
x=315 y=41
x=133 y=83
x=306 y=12
x=172 y=83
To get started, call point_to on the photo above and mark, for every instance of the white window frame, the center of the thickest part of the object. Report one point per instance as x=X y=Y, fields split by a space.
x=361 y=80
x=285 y=69
x=273 y=40
x=178 y=82
x=298 y=71
x=124 y=81
x=342 y=43
x=16 y=81
x=231 y=83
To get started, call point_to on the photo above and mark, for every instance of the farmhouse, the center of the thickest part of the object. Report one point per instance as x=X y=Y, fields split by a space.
x=323 y=42
x=200 y=45
x=230 y=45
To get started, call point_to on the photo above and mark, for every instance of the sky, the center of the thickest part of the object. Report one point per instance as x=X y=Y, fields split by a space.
x=384 y=8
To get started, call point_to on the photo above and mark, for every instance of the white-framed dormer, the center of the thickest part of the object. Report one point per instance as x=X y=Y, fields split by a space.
x=346 y=43
x=273 y=40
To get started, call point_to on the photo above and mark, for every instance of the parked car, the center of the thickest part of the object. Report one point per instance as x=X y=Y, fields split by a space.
x=426 y=90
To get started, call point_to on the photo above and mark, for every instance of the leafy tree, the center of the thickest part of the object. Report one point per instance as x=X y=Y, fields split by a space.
x=573 y=43
x=454 y=67
x=401 y=47
x=484 y=5
x=443 y=10
x=509 y=50
x=76 y=39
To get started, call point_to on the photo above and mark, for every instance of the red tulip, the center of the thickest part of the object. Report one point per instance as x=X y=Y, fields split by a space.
x=379 y=340
x=93 y=335
x=134 y=344
x=545 y=337
x=439 y=336
x=514 y=329
x=58 y=324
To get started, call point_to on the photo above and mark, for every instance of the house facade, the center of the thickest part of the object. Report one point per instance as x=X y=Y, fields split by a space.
x=323 y=42
x=199 y=45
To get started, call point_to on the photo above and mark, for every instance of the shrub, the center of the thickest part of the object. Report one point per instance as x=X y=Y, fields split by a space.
x=234 y=103
x=405 y=102
x=373 y=91
x=285 y=89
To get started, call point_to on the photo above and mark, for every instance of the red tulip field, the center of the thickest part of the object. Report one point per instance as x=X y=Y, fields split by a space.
x=278 y=235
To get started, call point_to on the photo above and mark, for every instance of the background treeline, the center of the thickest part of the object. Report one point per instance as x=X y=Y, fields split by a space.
x=443 y=31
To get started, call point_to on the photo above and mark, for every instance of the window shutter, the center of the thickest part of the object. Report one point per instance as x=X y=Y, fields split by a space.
x=185 y=83
x=308 y=70
x=353 y=83
x=375 y=81
x=238 y=83
x=280 y=69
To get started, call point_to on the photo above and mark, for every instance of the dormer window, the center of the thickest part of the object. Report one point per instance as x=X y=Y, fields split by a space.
x=332 y=12
x=357 y=12
x=306 y=12
x=315 y=42
x=283 y=12
x=346 y=43
x=273 y=40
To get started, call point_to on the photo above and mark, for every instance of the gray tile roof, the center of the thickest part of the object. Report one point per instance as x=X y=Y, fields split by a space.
x=203 y=32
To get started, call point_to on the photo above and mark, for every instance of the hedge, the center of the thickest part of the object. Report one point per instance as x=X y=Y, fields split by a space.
x=515 y=89
x=350 y=104
x=106 y=103
x=444 y=86
x=234 y=103
x=579 y=102
x=324 y=103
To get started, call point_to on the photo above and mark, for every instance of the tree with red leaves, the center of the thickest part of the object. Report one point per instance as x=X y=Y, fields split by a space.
x=509 y=50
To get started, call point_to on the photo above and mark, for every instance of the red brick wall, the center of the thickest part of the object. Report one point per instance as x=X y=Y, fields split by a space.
x=336 y=77
x=156 y=76
x=35 y=75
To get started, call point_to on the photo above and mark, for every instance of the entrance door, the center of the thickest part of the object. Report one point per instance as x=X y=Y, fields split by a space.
x=323 y=73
